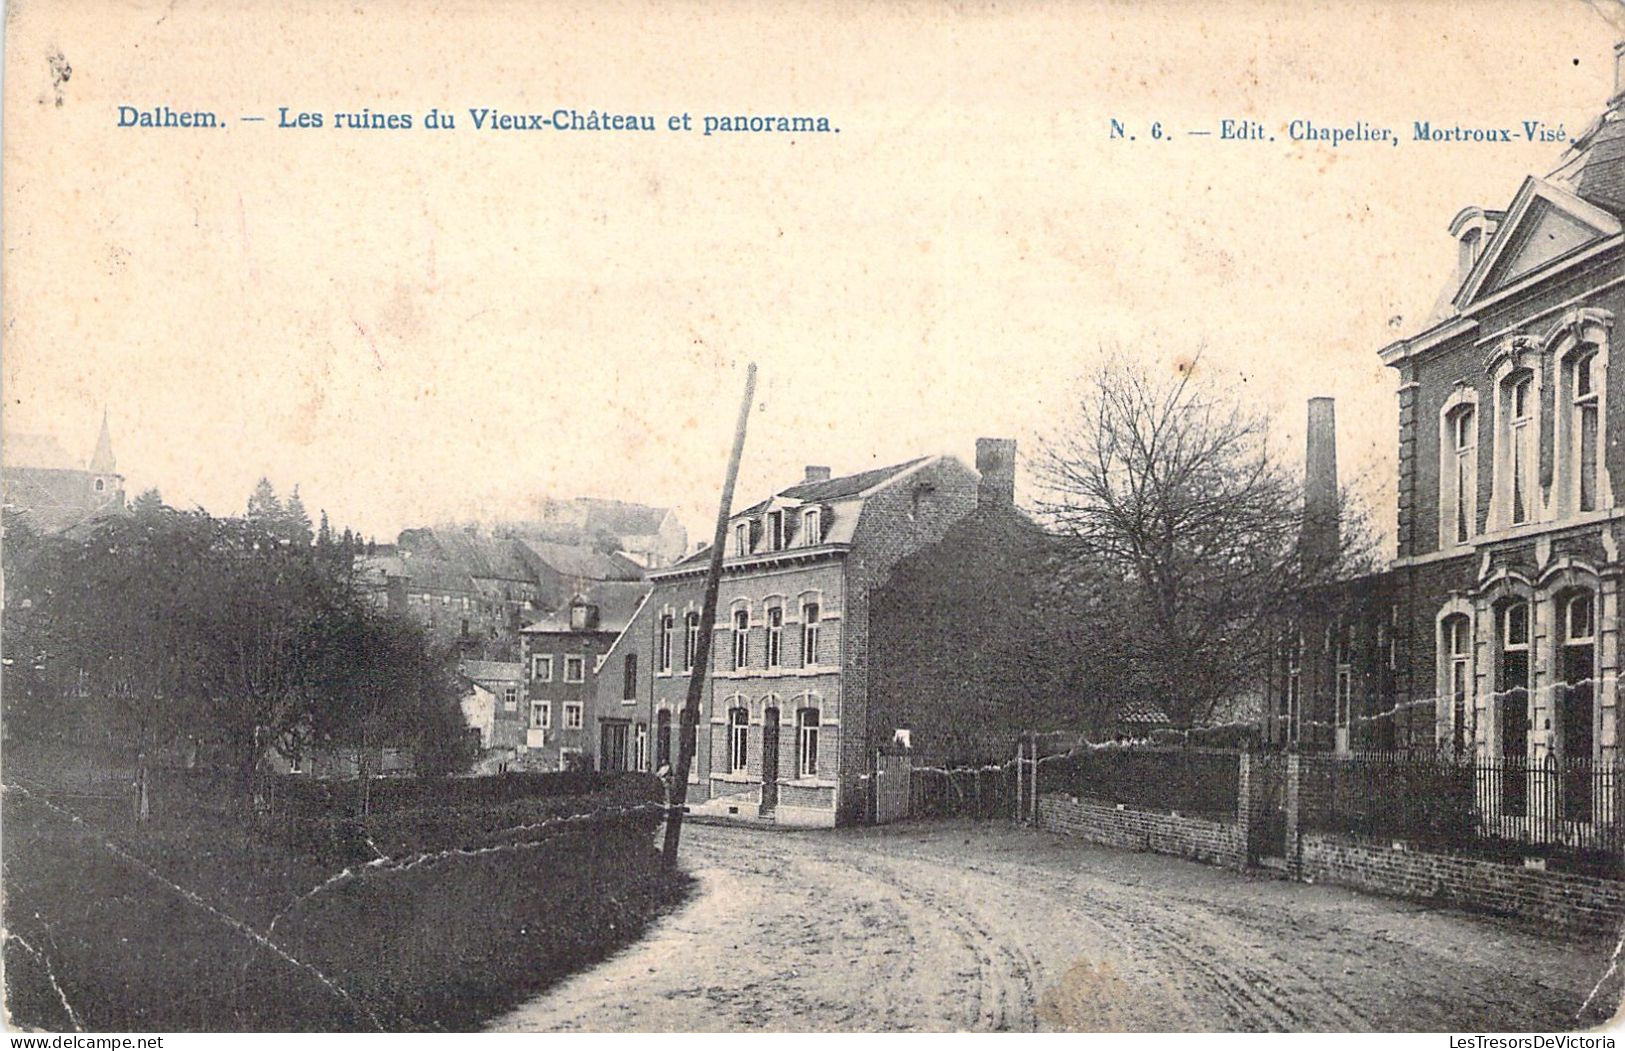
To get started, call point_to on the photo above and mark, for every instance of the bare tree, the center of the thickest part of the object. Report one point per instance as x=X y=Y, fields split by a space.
x=1170 y=485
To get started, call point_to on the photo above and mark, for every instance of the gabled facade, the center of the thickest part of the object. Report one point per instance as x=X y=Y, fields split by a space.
x=1496 y=631
x=792 y=712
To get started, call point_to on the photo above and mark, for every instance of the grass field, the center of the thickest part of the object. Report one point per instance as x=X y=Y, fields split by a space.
x=428 y=918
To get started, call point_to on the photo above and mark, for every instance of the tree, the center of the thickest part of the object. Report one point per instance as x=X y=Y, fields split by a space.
x=1171 y=486
x=295 y=520
x=381 y=682
x=149 y=503
x=264 y=509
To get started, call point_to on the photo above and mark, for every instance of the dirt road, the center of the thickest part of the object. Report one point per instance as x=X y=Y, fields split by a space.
x=983 y=926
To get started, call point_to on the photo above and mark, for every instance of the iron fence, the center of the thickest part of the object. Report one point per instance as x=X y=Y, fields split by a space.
x=1496 y=806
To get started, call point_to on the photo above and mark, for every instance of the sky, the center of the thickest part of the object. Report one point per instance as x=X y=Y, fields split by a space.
x=419 y=326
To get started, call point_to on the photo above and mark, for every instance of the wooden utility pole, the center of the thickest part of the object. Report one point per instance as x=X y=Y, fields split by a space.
x=702 y=651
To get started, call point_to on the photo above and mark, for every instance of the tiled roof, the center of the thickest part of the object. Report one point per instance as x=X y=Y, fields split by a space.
x=848 y=485
x=427 y=573
x=583 y=562
x=1142 y=712
x=623 y=519
x=492 y=670
x=616 y=600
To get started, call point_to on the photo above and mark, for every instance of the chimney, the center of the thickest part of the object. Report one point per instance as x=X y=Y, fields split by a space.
x=815 y=473
x=1321 y=538
x=996 y=463
x=1619 y=75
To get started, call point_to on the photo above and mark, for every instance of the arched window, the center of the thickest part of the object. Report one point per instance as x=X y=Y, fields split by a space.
x=1519 y=437
x=809 y=633
x=1458 y=476
x=811 y=533
x=691 y=640
x=741 y=652
x=807 y=742
x=1582 y=376
x=662 y=739
x=775 y=635
x=738 y=740
x=1577 y=666
x=1456 y=654
x=1512 y=700
x=666 y=623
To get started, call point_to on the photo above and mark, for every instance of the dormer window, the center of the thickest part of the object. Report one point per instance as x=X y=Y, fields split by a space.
x=775 y=530
x=811 y=527
x=741 y=538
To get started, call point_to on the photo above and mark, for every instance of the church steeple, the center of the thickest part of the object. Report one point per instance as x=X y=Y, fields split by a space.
x=101 y=461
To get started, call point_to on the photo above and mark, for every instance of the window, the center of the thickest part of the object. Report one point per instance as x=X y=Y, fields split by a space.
x=775 y=530
x=1583 y=433
x=510 y=699
x=662 y=739
x=691 y=640
x=807 y=742
x=100 y=486
x=1458 y=496
x=629 y=685
x=541 y=715
x=1344 y=682
x=640 y=747
x=1512 y=694
x=1456 y=646
x=811 y=533
x=1576 y=736
x=572 y=715
x=541 y=667
x=809 y=634
x=1294 y=683
x=666 y=624
x=575 y=669
x=741 y=538
x=775 y=636
x=738 y=740
x=1518 y=409
x=741 y=639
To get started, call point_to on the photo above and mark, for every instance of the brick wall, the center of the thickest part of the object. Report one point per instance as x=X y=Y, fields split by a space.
x=1215 y=842
x=1570 y=902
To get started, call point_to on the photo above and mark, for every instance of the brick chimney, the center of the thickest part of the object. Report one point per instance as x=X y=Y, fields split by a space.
x=1321 y=530
x=996 y=463
x=1619 y=75
x=815 y=473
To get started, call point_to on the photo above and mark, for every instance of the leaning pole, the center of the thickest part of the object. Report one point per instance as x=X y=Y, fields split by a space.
x=702 y=651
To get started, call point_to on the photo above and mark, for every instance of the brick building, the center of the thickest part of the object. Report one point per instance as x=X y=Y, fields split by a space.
x=1495 y=632
x=562 y=657
x=799 y=696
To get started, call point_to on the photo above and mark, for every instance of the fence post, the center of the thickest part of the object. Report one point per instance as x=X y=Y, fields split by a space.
x=1294 y=853
x=1244 y=807
x=1032 y=784
x=1021 y=773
